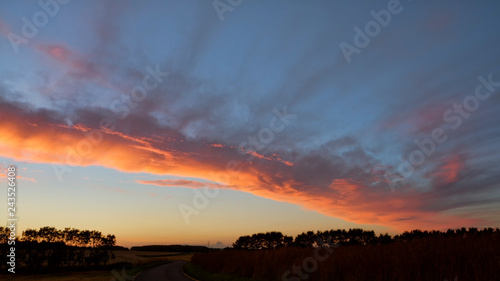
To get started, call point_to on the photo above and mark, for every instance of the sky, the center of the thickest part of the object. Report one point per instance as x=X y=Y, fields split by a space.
x=196 y=122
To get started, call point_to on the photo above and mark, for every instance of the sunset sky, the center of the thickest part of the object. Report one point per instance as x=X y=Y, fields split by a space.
x=190 y=122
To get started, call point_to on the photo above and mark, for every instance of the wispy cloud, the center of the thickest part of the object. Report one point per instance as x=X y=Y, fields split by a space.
x=356 y=120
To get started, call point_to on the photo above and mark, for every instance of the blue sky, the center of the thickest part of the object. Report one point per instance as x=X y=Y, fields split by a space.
x=346 y=156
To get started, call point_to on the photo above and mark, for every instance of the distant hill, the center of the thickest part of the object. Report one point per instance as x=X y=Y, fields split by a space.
x=171 y=248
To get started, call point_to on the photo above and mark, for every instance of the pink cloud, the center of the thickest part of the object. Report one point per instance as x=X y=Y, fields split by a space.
x=77 y=65
x=182 y=183
x=217 y=145
x=4 y=28
x=422 y=120
x=449 y=170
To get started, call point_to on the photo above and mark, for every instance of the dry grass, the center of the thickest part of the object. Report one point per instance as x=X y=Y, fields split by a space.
x=137 y=258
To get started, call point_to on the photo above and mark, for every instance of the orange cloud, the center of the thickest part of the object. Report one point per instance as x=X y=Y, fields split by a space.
x=270 y=158
x=3 y=177
x=26 y=179
x=347 y=198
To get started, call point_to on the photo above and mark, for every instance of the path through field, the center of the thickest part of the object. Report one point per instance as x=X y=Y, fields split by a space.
x=167 y=272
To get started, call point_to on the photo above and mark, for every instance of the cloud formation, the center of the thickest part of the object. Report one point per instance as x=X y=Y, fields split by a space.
x=354 y=122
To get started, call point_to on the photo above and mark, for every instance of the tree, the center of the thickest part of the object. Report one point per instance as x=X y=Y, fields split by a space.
x=266 y=240
x=384 y=238
x=53 y=249
x=83 y=238
x=30 y=235
x=4 y=235
x=305 y=240
x=70 y=236
x=49 y=234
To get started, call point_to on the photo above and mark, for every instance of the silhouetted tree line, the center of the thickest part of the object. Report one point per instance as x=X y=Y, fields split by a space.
x=342 y=237
x=171 y=248
x=266 y=240
x=461 y=232
x=50 y=249
x=456 y=254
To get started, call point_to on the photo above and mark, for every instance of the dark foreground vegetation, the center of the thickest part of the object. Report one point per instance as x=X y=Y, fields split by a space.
x=462 y=254
x=51 y=250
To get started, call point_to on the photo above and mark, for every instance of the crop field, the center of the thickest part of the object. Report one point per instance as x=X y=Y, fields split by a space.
x=470 y=258
x=139 y=259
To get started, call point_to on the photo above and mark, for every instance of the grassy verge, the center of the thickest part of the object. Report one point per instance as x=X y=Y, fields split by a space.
x=202 y=275
x=101 y=275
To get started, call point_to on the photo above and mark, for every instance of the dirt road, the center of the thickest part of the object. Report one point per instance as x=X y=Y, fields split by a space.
x=167 y=272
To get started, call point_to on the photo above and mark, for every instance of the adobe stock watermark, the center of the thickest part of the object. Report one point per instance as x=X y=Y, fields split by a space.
x=200 y=201
x=121 y=107
x=39 y=19
x=311 y=263
x=12 y=217
x=453 y=117
x=223 y=6
x=257 y=142
x=362 y=38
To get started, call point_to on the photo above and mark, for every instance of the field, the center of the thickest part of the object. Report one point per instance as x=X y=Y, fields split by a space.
x=471 y=258
x=139 y=259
